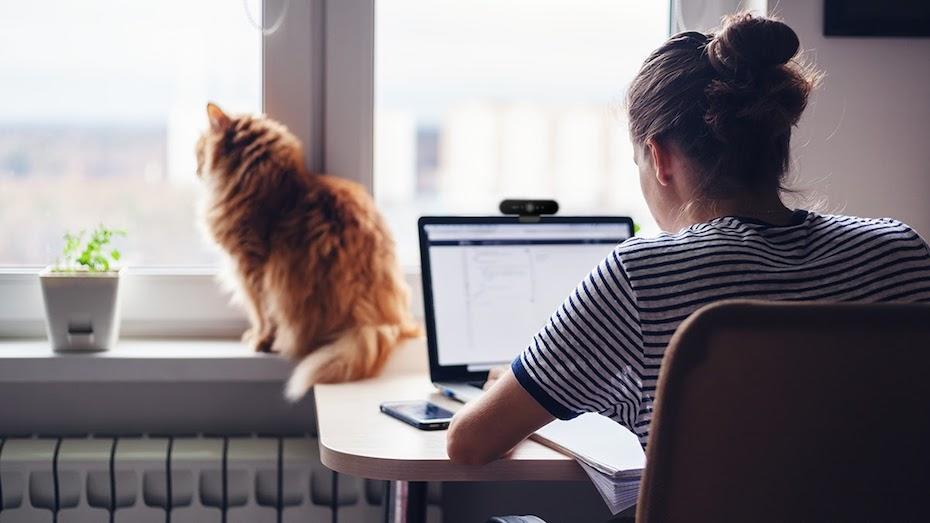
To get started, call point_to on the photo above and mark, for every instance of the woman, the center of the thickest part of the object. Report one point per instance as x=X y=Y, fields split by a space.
x=710 y=119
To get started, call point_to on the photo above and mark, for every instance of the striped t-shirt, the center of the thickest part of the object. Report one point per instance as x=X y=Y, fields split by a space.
x=601 y=350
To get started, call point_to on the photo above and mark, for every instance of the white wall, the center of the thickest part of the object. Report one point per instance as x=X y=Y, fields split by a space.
x=706 y=15
x=864 y=143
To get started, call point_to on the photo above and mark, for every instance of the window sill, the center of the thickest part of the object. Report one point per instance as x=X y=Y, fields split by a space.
x=141 y=360
x=175 y=303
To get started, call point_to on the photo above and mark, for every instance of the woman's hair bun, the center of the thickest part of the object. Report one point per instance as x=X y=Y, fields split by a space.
x=747 y=43
x=727 y=100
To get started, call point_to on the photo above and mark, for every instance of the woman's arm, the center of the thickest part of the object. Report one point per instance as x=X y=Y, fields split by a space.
x=590 y=352
x=489 y=427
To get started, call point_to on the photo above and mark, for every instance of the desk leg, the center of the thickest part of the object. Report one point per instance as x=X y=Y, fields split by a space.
x=409 y=501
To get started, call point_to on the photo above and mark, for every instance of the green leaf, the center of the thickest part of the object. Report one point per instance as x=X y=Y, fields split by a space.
x=94 y=253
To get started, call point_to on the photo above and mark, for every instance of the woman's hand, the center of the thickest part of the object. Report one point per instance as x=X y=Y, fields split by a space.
x=488 y=427
x=494 y=374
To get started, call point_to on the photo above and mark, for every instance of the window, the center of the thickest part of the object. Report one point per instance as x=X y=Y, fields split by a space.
x=486 y=99
x=467 y=102
x=102 y=103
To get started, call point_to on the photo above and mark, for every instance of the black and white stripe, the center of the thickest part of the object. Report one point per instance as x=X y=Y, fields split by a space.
x=601 y=350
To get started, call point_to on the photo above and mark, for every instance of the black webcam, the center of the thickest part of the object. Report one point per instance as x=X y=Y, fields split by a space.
x=527 y=208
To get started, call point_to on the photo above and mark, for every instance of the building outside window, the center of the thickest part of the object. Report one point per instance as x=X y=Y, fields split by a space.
x=437 y=106
x=482 y=100
x=101 y=103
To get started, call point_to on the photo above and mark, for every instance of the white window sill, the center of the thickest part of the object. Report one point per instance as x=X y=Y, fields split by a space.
x=175 y=303
x=141 y=360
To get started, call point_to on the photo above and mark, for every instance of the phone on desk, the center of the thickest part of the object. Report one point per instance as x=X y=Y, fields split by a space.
x=421 y=414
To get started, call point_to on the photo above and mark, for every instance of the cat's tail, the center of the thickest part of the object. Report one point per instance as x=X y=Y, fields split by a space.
x=358 y=353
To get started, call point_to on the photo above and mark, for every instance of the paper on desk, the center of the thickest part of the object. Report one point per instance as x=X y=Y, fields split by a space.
x=599 y=441
x=608 y=452
x=618 y=494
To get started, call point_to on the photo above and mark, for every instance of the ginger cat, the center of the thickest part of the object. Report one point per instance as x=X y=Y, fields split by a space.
x=313 y=260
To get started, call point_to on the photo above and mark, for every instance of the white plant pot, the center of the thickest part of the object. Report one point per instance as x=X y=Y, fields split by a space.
x=81 y=309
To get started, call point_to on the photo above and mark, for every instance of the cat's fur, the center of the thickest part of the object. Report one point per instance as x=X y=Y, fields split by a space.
x=313 y=260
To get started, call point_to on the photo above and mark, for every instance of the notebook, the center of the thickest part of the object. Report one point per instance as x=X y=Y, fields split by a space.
x=608 y=452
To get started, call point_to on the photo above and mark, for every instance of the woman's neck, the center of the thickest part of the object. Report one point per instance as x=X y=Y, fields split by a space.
x=768 y=209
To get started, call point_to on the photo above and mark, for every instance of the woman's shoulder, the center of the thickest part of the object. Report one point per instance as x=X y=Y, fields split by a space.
x=701 y=233
x=859 y=223
x=721 y=234
x=827 y=217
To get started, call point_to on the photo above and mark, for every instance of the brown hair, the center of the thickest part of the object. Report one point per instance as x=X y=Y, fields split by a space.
x=727 y=100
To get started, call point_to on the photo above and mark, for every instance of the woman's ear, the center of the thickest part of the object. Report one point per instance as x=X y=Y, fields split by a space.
x=661 y=160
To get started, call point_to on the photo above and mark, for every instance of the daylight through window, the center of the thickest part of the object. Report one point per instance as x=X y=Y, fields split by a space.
x=101 y=105
x=480 y=100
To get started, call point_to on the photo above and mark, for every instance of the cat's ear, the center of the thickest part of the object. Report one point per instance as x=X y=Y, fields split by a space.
x=219 y=121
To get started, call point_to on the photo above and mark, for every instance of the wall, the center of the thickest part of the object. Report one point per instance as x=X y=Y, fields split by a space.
x=864 y=143
x=705 y=15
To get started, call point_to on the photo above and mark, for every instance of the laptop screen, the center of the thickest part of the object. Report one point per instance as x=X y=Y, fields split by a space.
x=494 y=285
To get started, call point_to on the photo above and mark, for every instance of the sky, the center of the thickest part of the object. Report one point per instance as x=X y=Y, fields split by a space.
x=429 y=52
x=111 y=61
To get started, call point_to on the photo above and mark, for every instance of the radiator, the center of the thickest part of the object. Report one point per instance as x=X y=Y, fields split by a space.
x=179 y=480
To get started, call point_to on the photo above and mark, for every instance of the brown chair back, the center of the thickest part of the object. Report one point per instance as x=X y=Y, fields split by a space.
x=792 y=412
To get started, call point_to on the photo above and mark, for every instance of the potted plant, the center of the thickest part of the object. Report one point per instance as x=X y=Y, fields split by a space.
x=81 y=293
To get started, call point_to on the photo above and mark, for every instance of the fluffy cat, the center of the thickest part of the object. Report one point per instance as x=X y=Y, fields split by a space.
x=313 y=260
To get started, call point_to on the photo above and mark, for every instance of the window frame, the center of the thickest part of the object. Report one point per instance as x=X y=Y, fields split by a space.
x=317 y=78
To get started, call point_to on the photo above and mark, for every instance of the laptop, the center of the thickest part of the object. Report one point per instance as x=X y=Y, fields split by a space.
x=490 y=283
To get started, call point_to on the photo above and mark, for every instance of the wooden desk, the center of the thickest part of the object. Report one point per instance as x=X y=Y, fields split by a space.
x=357 y=439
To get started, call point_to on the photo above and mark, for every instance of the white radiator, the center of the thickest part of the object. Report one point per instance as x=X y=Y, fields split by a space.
x=179 y=480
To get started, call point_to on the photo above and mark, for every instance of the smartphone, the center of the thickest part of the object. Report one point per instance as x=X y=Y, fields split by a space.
x=421 y=414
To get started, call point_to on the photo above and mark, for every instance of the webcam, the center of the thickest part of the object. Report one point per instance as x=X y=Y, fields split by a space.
x=528 y=208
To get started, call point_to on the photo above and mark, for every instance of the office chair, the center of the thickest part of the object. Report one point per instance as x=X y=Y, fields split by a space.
x=792 y=412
